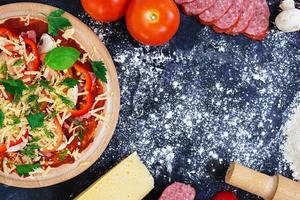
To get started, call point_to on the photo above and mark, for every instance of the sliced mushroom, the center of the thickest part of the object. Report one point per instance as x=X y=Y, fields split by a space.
x=46 y=44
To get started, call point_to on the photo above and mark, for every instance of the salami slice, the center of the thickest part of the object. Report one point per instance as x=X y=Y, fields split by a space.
x=246 y=15
x=259 y=24
x=183 y=1
x=215 y=12
x=230 y=18
x=178 y=191
x=196 y=7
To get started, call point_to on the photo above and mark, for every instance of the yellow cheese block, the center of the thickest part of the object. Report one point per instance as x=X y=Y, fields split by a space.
x=129 y=180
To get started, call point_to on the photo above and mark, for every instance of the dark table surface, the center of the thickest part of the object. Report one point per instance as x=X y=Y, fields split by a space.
x=192 y=106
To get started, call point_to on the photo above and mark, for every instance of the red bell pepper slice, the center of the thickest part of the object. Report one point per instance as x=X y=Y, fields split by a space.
x=13 y=143
x=89 y=101
x=35 y=64
x=7 y=33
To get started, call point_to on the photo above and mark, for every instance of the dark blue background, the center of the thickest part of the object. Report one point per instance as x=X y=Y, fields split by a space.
x=184 y=40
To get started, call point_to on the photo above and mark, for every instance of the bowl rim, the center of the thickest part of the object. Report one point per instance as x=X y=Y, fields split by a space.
x=105 y=131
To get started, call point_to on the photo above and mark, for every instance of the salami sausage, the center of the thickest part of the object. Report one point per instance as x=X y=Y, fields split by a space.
x=178 y=191
x=230 y=18
x=215 y=12
x=259 y=24
x=183 y=1
x=246 y=15
x=196 y=7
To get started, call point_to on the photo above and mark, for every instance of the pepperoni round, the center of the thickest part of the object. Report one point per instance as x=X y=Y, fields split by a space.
x=259 y=24
x=178 y=191
x=215 y=12
x=246 y=15
x=197 y=6
x=230 y=18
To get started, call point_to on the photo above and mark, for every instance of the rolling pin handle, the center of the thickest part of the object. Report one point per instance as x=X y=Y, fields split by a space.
x=268 y=187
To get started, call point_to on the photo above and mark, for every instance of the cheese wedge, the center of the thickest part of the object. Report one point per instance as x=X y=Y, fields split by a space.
x=129 y=180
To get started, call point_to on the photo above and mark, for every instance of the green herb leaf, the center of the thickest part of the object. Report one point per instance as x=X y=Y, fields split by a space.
x=56 y=22
x=36 y=120
x=1 y=118
x=29 y=150
x=18 y=63
x=66 y=101
x=33 y=101
x=62 y=156
x=15 y=87
x=52 y=115
x=24 y=170
x=70 y=82
x=45 y=85
x=3 y=69
x=57 y=13
x=62 y=58
x=16 y=120
x=49 y=134
x=32 y=88
x=32 y=98
x=80 y=134
x=35 y=139
x=99 y=70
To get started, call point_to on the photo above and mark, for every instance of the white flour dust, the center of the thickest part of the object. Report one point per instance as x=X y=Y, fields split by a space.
x=201 y=103
x=292 y=145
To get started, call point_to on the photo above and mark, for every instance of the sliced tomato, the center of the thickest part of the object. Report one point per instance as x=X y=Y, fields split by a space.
x=89 y=101
x=59 y=133
x=13 y=143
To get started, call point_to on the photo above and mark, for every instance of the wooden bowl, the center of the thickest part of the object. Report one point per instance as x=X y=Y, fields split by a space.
x=97 y=51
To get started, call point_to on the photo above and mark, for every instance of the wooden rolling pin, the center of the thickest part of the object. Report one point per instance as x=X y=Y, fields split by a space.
x=268 y=187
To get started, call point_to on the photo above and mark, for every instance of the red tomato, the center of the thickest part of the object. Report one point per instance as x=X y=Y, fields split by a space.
x=105 y=10
x=225 y=195
x=152 y=22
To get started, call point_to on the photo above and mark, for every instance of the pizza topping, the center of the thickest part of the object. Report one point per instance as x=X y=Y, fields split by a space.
x=51 y=102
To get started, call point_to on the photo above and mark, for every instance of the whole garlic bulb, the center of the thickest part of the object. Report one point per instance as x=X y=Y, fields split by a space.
x=289 y=19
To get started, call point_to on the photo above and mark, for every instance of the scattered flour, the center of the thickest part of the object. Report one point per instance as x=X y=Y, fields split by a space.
x=292 y=145
x=218 y=101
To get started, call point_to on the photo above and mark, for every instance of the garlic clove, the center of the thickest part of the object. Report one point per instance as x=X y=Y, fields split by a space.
x=287 y=4
x=288 y=20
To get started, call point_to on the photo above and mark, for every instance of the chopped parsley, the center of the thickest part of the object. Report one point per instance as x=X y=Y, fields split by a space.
x=24 y=170
x=49 y=134
x=99 y=70
x=82 y=128
x=70 y=82
x=33 y=101
x=14 y=87
x=50 y=116
x=63 y=155
x=36 y=120
x=16 y=120
x=18 y=63
x=66 y=101
x=56 y=22
x=46 y=86
x=29 y=150
x=3 y=69
x=35 y=139
x=1 y=118
x=80 y=134
x=32 y=88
